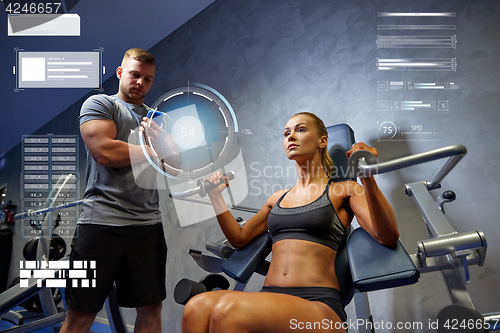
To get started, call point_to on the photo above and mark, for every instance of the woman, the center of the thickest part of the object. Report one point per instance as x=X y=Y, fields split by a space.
x=306 y=223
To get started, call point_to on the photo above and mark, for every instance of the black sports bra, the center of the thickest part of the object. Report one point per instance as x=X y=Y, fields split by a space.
x=316 y=222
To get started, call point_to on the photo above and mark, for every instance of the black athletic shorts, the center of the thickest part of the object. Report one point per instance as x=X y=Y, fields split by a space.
x=132 y=257
x=329 y=296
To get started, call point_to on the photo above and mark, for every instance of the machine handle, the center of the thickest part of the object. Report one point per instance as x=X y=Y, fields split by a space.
x=219 y=249
x=368 y=166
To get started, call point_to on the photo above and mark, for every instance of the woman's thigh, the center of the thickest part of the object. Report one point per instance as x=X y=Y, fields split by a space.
x=271 y=312
x=197 y=312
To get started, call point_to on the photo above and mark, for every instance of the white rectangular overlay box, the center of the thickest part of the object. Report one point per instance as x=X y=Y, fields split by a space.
x=43 y=25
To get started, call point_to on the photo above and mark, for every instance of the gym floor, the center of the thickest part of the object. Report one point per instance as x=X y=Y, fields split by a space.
x=96 y=327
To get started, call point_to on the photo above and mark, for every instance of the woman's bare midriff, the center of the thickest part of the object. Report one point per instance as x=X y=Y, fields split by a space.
x=300 y=263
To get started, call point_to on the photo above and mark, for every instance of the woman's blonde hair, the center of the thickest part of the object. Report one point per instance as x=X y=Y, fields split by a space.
x=321 y=130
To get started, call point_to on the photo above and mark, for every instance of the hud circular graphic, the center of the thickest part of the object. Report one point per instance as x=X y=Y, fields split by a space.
x=202 y=124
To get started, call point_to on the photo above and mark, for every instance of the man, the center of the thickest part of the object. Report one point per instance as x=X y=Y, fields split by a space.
x=120 y=226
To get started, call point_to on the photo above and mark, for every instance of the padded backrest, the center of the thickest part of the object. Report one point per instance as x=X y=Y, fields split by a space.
x=340 y=140
x=343 y=271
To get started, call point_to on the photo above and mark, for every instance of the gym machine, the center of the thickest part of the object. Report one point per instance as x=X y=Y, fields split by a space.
x=362 y=264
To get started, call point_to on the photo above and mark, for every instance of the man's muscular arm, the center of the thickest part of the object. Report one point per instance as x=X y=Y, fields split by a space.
x=99 y=136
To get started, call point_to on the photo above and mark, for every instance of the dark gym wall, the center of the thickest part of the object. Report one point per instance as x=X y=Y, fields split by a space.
x=270 y=59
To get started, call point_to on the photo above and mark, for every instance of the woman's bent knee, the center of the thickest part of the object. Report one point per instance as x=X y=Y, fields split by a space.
x=199 y=305
x=230 y=311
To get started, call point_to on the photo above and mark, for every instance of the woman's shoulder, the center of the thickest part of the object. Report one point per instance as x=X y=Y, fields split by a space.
x=344 y=189
x=271 y=201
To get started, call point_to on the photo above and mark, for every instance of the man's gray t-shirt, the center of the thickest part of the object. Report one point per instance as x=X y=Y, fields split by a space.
x=112 y=196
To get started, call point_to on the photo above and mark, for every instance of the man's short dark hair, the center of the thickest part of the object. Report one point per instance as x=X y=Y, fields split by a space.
x=140 y=55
